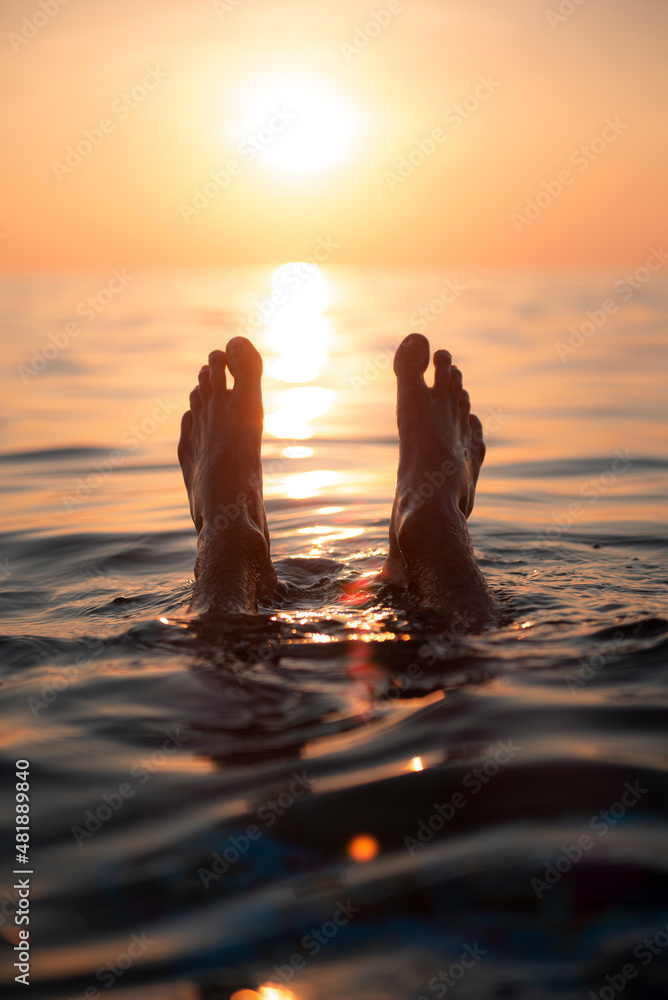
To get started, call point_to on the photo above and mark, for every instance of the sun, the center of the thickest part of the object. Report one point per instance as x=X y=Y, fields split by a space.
x=300 y=124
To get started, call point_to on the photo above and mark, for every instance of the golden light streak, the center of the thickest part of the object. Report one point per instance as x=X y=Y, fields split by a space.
x=308 y=484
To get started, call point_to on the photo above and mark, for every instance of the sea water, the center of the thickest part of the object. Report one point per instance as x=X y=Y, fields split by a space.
x=340 y=796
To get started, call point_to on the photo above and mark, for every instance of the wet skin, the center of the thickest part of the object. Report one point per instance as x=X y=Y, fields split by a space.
x=441 y=451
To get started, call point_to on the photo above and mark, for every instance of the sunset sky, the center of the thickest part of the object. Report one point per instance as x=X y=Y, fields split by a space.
x=408 y=132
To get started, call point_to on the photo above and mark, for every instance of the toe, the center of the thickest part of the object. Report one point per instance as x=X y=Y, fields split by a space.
x=184 y=446
x=410 y=361
x=464 y=410
x=245 y=363
x=442 y=363
x=204 y=383
x=217 y=372
x=186 y=428
x=477 y=437
x=412 y=353
x=456 y=383
x=195 y=402
x=475 y=424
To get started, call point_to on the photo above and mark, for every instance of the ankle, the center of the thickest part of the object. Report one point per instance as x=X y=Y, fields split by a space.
x=232 y=567
x=417 y=516
x=233 y=537
x=224 y=517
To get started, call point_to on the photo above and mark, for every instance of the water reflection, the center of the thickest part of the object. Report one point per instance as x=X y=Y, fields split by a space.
x=297 y=407
x=268 y=991
x=297 y=333
x=308 y=484
x=298 y=330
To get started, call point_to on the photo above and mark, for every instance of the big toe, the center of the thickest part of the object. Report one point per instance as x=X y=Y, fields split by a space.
x=411 y=360
x=245 y=363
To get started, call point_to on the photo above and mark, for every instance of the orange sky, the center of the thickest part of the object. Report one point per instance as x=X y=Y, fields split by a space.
x=367 y=85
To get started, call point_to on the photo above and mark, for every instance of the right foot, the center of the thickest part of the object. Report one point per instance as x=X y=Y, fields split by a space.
x=219 y=452
x=441 y=451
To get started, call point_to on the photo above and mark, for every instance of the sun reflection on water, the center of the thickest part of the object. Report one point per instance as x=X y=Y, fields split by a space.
x=297 y=332
x=308 y=484
x=296 y=408
x=271 y=991
x=268 y=991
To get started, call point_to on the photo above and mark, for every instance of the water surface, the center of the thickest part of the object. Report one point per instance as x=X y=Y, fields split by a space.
x=203 y=786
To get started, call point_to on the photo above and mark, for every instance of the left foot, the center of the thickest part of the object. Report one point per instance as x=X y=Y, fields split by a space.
x=219 y=452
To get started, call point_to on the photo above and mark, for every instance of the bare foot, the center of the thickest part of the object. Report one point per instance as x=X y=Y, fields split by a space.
x=219 y=452
x=441 y=451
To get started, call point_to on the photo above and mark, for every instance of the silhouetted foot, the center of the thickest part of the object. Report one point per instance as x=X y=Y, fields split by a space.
x=441 y=451
x=219 y=452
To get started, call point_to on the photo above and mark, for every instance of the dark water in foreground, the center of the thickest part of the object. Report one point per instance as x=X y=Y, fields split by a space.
x=338 y=797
